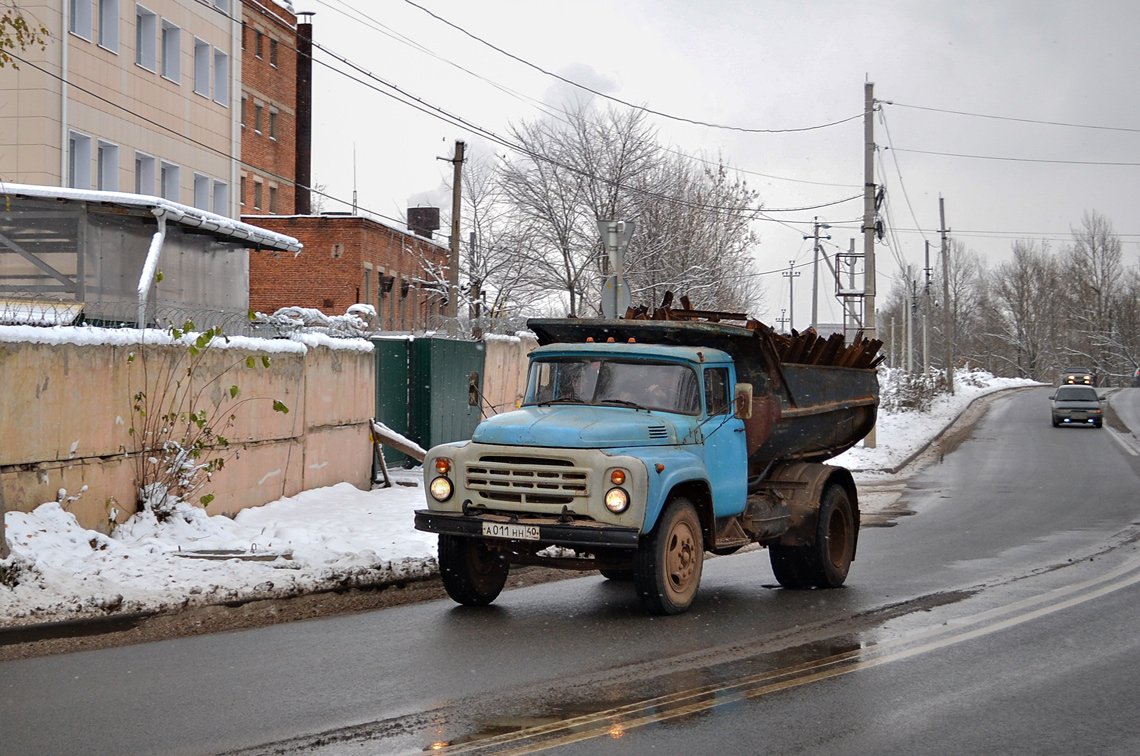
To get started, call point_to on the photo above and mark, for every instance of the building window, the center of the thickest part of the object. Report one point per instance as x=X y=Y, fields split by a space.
x=244 y=32
x=80 y=22
x=257 y=42
x=201 y=191
x=221 y=198
x=244 y=101
x=171 y=47
x=201 y=67
x=170 y=181
x=144 y=174
x=79 y=160
x=241 y=191
x=273 y=53
x=257 y=116
x=223 y=6
x=272 y=199
x=109 y=24
x=273 y=123
x=107 y=168
x=256 y=195
x=146 y=38
x=221 y=78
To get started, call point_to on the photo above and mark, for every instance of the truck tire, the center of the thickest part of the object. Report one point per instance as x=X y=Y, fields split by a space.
x=472 y=574
x=667 y=566
x=824 y=563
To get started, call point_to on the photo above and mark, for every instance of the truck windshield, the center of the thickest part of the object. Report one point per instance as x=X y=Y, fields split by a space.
x=650 y=385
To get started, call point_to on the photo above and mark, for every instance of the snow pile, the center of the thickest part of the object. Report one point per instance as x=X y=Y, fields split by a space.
x=359 y=320
x=321 y=539
x=318 y=540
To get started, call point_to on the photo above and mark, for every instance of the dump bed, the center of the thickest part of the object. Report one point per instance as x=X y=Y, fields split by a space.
x=800 y=411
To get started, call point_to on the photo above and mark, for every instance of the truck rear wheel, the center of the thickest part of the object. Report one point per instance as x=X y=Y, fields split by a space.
x=472 y=574
x=823 y=564
x=667 y=567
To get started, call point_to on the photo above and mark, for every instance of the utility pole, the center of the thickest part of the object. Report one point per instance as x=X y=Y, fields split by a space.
x=815 y=272
x=869 y=222
x=947 y=321
x=791 y=274
x=453 y=265
x=925 y=311
x=783 y=318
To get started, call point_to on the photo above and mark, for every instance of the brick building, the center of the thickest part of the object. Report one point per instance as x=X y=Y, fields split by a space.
x=269 y=38
x=348 y=259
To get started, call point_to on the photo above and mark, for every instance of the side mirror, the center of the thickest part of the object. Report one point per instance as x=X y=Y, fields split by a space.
x=742 y=401
x=1052 y=397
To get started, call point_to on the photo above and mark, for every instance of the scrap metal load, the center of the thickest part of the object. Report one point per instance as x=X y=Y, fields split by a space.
x=801 y=348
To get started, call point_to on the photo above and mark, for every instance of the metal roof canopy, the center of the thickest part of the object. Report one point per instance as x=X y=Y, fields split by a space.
x=104 y=250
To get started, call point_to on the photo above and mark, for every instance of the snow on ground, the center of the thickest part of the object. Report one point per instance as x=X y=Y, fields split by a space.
x=326 y=538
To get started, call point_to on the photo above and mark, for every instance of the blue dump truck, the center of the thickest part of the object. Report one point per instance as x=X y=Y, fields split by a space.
x=642 y=444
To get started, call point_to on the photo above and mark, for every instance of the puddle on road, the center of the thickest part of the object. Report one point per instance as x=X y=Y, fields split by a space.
x=642 y=702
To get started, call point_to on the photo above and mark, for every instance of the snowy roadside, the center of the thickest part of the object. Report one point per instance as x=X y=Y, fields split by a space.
x=329 y=538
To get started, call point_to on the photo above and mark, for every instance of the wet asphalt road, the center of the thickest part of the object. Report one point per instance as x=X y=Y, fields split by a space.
x=907 y=658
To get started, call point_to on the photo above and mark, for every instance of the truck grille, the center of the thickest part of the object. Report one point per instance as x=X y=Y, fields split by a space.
x=527 y=480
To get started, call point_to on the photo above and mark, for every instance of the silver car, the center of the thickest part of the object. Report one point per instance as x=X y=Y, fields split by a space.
x=1077 y=405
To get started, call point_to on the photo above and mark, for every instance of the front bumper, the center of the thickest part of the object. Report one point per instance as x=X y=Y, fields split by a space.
x=578 y=534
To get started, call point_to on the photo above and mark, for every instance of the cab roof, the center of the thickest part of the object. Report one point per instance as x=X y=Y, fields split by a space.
x=634 y=351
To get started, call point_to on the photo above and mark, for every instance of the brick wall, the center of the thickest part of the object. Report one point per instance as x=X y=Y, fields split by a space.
x=269 y=88
x=342 y=263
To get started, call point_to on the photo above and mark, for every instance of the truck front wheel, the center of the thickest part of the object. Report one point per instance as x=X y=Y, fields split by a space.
x=823 y=564
x=667 y=567
x=472 y=574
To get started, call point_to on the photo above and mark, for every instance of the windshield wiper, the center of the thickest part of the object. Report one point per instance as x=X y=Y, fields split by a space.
x=559 y=400
x=624 y=403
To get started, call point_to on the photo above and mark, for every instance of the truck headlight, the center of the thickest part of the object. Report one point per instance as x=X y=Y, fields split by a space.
x=617 y=500
x=441 y=489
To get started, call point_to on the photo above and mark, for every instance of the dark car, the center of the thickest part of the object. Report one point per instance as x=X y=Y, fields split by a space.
x=1081 y=376
x=1077 y=405
x=1136 y=379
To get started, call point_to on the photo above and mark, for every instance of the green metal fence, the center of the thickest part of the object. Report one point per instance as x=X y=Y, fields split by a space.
x=423 y=387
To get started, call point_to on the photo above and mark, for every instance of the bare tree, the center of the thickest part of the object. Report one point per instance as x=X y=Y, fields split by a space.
x=17 y=33
x=694 y=232
x=1093 y=275
x=1024 y=293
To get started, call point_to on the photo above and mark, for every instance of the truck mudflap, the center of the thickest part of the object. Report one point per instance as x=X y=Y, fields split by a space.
x=585 y=534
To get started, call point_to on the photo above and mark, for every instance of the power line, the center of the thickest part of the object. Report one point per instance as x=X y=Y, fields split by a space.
x=425 y=107
x=369 y=21
x=642 y=108
x=1011 y=118
x=1015 y=159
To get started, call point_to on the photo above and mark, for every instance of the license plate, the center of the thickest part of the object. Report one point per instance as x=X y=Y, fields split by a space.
x=507 y=530
x=1080 y=416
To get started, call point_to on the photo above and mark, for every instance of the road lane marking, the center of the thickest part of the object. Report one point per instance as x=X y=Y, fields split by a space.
x=617 y=721
x=1120 y=440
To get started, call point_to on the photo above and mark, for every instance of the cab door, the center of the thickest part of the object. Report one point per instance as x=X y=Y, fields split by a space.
x=725 y=451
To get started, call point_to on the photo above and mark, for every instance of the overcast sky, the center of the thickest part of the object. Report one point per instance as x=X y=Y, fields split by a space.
x=768 y=65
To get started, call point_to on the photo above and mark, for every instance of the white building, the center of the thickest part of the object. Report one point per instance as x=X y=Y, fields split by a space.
x=139 y=97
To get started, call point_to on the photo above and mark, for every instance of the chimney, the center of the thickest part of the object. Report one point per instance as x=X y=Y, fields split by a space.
x=423 y=220
x=303 y=172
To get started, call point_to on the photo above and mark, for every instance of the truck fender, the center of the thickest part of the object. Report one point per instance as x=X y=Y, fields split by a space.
x=802 y=484
x=679 y=470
